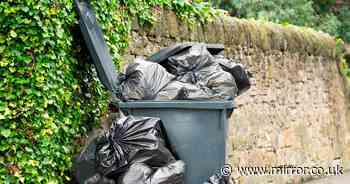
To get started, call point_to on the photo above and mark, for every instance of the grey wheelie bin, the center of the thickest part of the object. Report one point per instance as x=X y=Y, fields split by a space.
x=196 y=130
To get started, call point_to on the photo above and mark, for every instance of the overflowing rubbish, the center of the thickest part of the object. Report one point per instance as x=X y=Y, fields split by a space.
x=133 y=150
x=193 y=73
x=166 y=57
x=130 y=140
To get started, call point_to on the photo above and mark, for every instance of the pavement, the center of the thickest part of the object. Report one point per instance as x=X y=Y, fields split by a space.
x=343 y=179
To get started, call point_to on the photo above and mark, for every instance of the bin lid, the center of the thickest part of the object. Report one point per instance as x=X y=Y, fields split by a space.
x=177 y=104
x=97 y=46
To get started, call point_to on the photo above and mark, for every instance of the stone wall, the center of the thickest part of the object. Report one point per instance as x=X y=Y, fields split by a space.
x=295 y=112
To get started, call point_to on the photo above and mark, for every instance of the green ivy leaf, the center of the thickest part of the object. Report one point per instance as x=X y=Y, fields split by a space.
x=5 y=132
x=13 y=34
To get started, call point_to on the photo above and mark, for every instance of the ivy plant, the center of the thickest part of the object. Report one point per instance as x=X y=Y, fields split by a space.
x=49 y=93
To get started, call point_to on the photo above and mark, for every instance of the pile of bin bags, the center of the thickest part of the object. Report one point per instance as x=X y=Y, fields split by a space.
x=193 y=74
x=132 y=151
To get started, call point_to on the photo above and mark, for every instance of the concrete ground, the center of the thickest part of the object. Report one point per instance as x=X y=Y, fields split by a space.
x=343 y=179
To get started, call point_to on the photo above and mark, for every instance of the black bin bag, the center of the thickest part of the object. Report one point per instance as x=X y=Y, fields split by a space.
x=139 y=173
x=197 y=66
x=133 y=139
x=130 y=140
x=237 y=70
x=143 y=80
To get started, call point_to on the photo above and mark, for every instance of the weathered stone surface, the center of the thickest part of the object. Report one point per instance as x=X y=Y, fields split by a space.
x=297 y=111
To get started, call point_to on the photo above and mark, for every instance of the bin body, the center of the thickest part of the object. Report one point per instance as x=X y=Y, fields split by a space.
x=196 y=131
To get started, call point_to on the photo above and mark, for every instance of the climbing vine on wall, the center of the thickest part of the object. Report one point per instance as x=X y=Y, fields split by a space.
x=49 y=94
